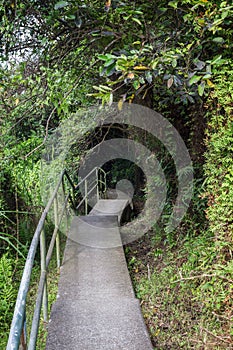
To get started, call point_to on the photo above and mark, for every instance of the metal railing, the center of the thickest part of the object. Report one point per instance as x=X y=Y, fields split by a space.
x=97 y=186
x=18 y=334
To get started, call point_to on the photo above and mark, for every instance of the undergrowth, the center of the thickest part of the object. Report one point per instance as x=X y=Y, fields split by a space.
x=8 y=295
x=185 y=279
x=10 y=276
x=52 y=284
x=186 y=298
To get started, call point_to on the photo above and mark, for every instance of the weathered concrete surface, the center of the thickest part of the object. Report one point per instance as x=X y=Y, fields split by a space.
x=95 y=231
x=98 y=324
x=110 y=207
x=96 y=308
x=117 y=194
x=88 y=271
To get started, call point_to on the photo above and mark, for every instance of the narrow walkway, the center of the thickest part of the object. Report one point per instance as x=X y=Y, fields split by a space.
x=96 y=308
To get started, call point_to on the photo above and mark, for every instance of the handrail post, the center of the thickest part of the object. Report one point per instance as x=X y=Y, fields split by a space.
x=105 y=183
x=86 y=199
x=73 y=195
x=56 y=227
x=64 y=196
x=23 y=337
x=43 y=269
x=97 y=184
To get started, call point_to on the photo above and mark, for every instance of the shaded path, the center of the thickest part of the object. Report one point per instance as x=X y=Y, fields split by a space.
x=96 y=308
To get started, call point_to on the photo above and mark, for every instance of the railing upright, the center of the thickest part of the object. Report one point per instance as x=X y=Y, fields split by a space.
x=63 y=199
x=97 y=183
x=102 y=181
x=56 y=219
x=86 y=197
x=43 y=269
x=23 y=337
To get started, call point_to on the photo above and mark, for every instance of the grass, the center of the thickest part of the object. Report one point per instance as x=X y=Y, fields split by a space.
x=52 y=282
x=52 y=286
x=186 y=305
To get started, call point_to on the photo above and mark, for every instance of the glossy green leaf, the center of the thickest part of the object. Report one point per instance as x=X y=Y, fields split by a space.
x=207 y=76
x=194 y=80
x=60 y=5
x=110 y=69
x=109 y=62
x=219 y=40
x=225 y=14
x=136 y=84
x=137 y=21
x=173 y=4
x=103 y=57
x=201 y=88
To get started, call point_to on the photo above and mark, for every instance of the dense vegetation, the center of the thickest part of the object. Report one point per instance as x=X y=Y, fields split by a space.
x=174 y=57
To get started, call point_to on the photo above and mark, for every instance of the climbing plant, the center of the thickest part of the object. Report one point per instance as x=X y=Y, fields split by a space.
x=173 y=56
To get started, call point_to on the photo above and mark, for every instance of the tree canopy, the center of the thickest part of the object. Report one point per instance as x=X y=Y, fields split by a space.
x=173 y=56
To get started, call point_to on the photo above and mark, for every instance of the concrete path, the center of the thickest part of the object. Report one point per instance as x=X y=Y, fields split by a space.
x=96 y=308
x=110 y=207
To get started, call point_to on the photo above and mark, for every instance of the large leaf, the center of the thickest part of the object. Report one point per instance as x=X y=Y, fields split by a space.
x=60 y=4
x=201 y=88
x=137 y=21
x=219 y=40
x=149 y=77
x=109 y=62
x=194 y=80
x=173 y=4
x=170 y=82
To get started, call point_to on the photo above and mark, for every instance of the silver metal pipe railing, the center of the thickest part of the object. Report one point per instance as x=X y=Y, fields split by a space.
x=96 y=185
x=17 y=332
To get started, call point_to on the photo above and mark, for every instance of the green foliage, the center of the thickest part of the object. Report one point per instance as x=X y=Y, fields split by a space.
x=219 y=162
x=176 y=58
x=8 y=294
x=13 y=243
x=183 y=290
x=177 y=54
x=121 y=169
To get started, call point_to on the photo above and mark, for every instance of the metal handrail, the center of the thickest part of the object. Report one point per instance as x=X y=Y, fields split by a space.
x=88 y=175
x=16 y=335
x=96 y=186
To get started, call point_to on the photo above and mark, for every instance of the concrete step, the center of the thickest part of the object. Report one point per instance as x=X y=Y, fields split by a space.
x=110 y=207
x=97 y=324
x=95 y=231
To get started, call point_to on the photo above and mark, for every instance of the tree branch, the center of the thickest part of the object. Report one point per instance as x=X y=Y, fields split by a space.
x=65 y=96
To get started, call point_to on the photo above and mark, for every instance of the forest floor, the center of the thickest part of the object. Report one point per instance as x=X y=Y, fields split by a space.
x=174 y=312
